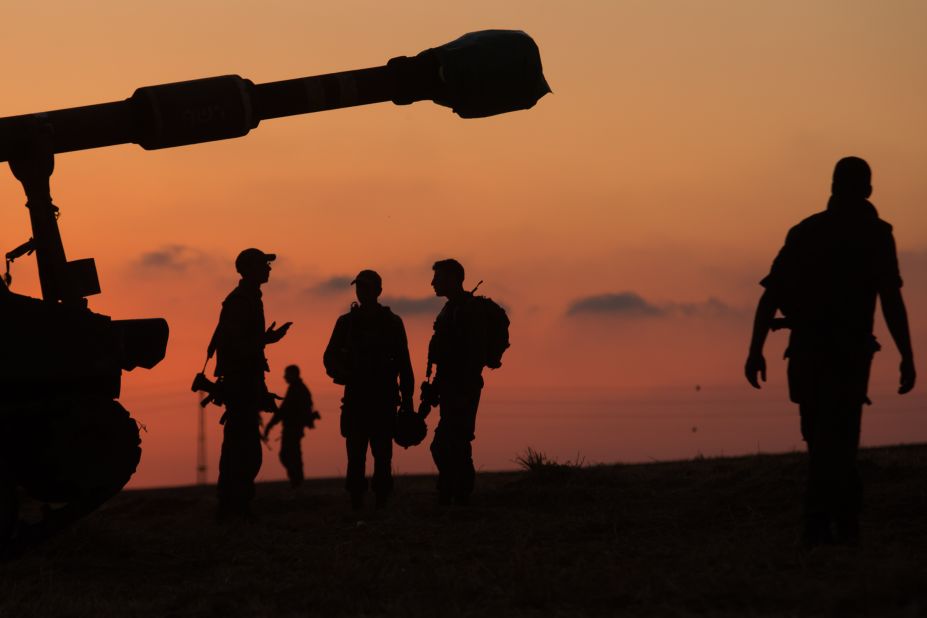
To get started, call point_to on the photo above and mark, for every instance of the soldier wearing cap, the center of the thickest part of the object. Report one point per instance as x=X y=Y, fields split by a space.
x=825 y=281
x=239 y=342
x=368 y=354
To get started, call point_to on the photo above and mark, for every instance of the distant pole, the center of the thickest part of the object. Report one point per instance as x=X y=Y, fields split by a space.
x=201 y=445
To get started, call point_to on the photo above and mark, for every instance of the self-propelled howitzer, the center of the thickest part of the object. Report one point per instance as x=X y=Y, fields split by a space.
x=64 y=437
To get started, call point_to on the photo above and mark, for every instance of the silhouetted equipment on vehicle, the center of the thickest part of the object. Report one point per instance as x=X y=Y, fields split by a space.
x=64 y=439
x=480 y=74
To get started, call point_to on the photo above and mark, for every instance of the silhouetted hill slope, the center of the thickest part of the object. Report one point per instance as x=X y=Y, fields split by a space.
x=713 y=536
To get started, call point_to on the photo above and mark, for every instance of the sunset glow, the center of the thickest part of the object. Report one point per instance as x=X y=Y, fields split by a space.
x=624 y=222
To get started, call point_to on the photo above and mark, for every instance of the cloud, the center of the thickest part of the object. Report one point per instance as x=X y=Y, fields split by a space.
x=403 y=305
x=711 y=308
x=621 y=303
x=171 y=258
x=332 y=286
x=632 y=305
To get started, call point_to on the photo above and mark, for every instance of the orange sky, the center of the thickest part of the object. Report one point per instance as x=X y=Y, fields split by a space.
x=681 y=142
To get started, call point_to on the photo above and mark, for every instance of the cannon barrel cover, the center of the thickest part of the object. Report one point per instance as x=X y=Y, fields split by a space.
x=490 y=72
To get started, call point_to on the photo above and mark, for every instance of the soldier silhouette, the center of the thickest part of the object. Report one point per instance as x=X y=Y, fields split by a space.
x=239 y=342
x=296 y=414
x=825 y=281
x=464 y=341
x=368 y=353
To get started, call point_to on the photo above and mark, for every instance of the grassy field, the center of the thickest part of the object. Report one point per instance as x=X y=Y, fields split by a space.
x=704 y=537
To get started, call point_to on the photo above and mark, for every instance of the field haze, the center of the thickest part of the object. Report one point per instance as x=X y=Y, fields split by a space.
x=700 y=537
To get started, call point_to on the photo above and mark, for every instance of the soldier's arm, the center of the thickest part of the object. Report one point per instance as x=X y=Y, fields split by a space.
x=406 y=375
x=783 y=268
x=896 y=318
x=333 y=358
x=762 y=322
x=273 y=421
x=893 y=309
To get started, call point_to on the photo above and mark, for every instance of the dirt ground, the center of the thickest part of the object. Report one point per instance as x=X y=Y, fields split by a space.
x=703 y=537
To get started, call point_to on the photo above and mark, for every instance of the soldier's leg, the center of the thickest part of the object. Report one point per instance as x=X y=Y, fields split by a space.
x=255 y=459
x=239 y=462
x=441 y=453
x=381 y=447
x=467 y=475
x=816 y=507
x=847 y=483
x=467 y=471
x=452 y=448
x=291 y=458
x=355 y=481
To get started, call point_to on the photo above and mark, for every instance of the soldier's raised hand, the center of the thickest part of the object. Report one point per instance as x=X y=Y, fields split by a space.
x=273 y=336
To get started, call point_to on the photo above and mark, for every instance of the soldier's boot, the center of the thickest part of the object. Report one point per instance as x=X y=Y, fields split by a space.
x=382 y=500
x=357 y=500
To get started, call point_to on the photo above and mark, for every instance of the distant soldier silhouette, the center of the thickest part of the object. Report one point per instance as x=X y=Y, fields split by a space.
x=296 y=414
x=239 y=342
x=825 y=281
x=464 y=341
x=368 y=353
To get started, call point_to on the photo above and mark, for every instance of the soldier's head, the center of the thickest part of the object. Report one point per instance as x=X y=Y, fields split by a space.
x=254 y=265
x=367 y=285
x=291 y=374
x=852 y=178
x=448 y=279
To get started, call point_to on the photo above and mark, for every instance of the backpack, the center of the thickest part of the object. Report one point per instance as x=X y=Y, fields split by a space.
x=497 y=330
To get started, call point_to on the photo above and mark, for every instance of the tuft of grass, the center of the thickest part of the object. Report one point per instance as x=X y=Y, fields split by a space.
x=538 y=461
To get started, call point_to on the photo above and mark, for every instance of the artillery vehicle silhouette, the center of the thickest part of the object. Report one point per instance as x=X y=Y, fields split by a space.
x=66 y=440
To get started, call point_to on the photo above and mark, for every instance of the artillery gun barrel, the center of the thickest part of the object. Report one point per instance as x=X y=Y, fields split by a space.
x=480 y=74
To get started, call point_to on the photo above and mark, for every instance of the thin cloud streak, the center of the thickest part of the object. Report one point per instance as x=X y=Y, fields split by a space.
x=632 y=305
x=620 y=303
x=404 y=305
x=333 y=286
x=171 y=258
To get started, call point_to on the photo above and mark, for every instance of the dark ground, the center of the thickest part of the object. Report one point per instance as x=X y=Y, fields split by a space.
x=704 y=537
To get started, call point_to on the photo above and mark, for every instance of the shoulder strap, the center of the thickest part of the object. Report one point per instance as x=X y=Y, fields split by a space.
x=211 y=348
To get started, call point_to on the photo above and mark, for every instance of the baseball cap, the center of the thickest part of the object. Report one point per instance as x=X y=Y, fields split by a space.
x=369 y=276
x=252 y=257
